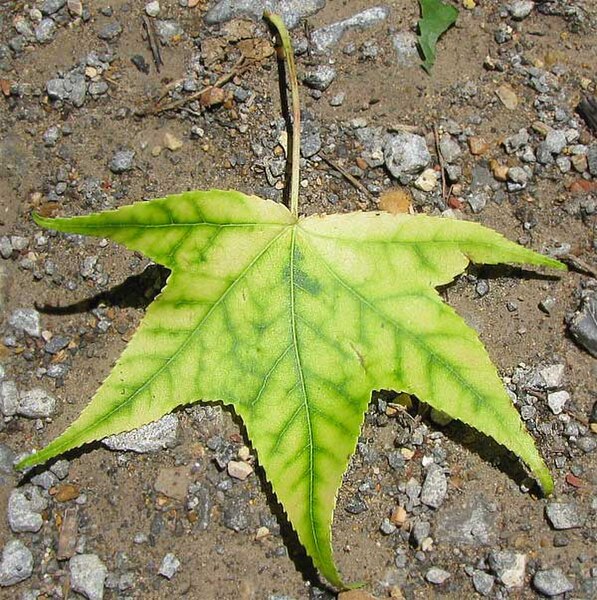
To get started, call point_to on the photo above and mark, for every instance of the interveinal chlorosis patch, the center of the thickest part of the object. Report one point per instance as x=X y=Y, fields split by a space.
x=293 y=322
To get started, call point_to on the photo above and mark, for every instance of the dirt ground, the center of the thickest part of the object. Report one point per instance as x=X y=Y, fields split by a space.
x=120 y=499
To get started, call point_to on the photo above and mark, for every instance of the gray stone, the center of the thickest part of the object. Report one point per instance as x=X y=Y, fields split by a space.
x=49 y=7
x=509 y=567
x=518 y=175
x=45 y=30
x=36 y=404
x=583 y=325
x=122 y=161
x=472 y=524
x=45 y=480
x=25 y=505
x=435 y=487
x=25 y=320
x=148 y=438
x=97 y=88
x=9 y=398
x=563 y=516
x=436 y=575
x=78 y=89
x=483 y=582
x=592 y=160
x=555 y=141
x=56 y=343
x=329 y=35
x=387 y=527
x=557 y=400
x=405 y=45
x=517 y=141
x=56 y=90
x=521 y=9
x=87 y=575
x=310 y=138
x=170 y=564
x=17 y=563
x=419 y=532
x=236 y=516
x=167 y=30
x=477 y=200
x=291 y=11
x=320 y=78
x=548 y=377
x=586 y=443
x=60 y=468
x=552 y=582
x=372 y=140
x=152 y=9
x=406 y=154
x=51 y=136
x=7 y=459
x=110 y=31
x=5 y=247
x=450 y=149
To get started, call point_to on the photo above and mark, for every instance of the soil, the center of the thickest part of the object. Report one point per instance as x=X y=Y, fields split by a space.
x=217 y=562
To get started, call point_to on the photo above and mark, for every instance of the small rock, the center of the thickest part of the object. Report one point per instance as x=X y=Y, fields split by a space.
x=49 y=7
x=507 y=96
x=518 y=175
x=405 y=45
x=152 y=9
x=25 y=505
x=168 y=30
x=152 y=437
x=75 y=7
x=122 y=161
x=557 y=400
x=36 y=404
x=17 y=563
x=509 y=567
x=170 y=564
x=436 y=575
x=236 y=516
x=7 y=459
x=320 y=78
x=555 y=141
x=482 y=288
x=563 y=516
x=325 y=37
x=87 y=575
x=427 y=180
x=450 y=149
x=239 y=469
x=45 y=30
x=110 y=31
x=419 y=532
x=9 y=398
x=552 y=582
x=51 y=136
x=406 y=154
x=477 y=201
x=5 y=247
x=435 y=487
x=583 y=325
x=592 y=160
x=171 y=142
x=387 y=527
x=483 y=582
x=548 y=304
x=477 y=145
x=521 y=9
x=25 y=320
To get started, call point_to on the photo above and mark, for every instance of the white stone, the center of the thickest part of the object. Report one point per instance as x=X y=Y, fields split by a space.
x=557 y=400
x=87 y=576
x=427 y=180
x=152 y=8
x=239 y=470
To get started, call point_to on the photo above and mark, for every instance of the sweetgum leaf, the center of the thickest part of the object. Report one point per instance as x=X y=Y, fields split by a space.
x=294 y=322
x=436 y=18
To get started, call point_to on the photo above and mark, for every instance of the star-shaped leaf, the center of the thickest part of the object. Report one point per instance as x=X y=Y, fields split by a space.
x=293 y=322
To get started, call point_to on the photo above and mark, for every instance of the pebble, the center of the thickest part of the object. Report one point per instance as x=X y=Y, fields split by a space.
x=518 y=175
x=320 y=78
x=521 y=9
x=419 y=532
x=563 y=516
x=477 y=201
x=5 y=247
x=236 y=515
x=239 y=469
x=110 y=31
x=170 y=564
x=592 y=160
x=168 y=30
x=88 y=575
x=555 y=141
x=557 y=400
x=122 y=161
x=36 y=404
x=17 y=563
x=551 y=582
x=171 y=142
x=435 y=487
x=152 y=437
x=405 y=45
x=7 y=458
x=329 y=35
x=583 y=325
x=152 y=9
x=25 y=505
x=483 y=582
x=25 y=320
x=405 y=154
x=507 y=96
x=49 y=7
x=427 y=180
x=437 y=576
x=51 y=136
x=45 y=30
x=9 y=398
x=450 y=149
x=477 y=145
x=75 y=7
x=472 y=524
x=509 y=567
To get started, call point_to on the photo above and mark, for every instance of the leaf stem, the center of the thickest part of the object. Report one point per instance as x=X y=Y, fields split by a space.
x=288 y=56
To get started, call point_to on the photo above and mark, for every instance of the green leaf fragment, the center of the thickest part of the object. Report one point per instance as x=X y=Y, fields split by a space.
x=436 y=18
x=293 y=322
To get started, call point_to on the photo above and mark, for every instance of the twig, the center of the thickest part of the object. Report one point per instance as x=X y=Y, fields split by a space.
x=355 y=182
x=236 y=70
x=441 y=164
x=154 y=45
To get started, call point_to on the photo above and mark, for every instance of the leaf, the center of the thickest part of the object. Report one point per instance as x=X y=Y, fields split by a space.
x=436 y=18
x=293 y=322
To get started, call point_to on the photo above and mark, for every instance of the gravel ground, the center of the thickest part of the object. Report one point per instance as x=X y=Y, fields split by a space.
x=180 y=508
